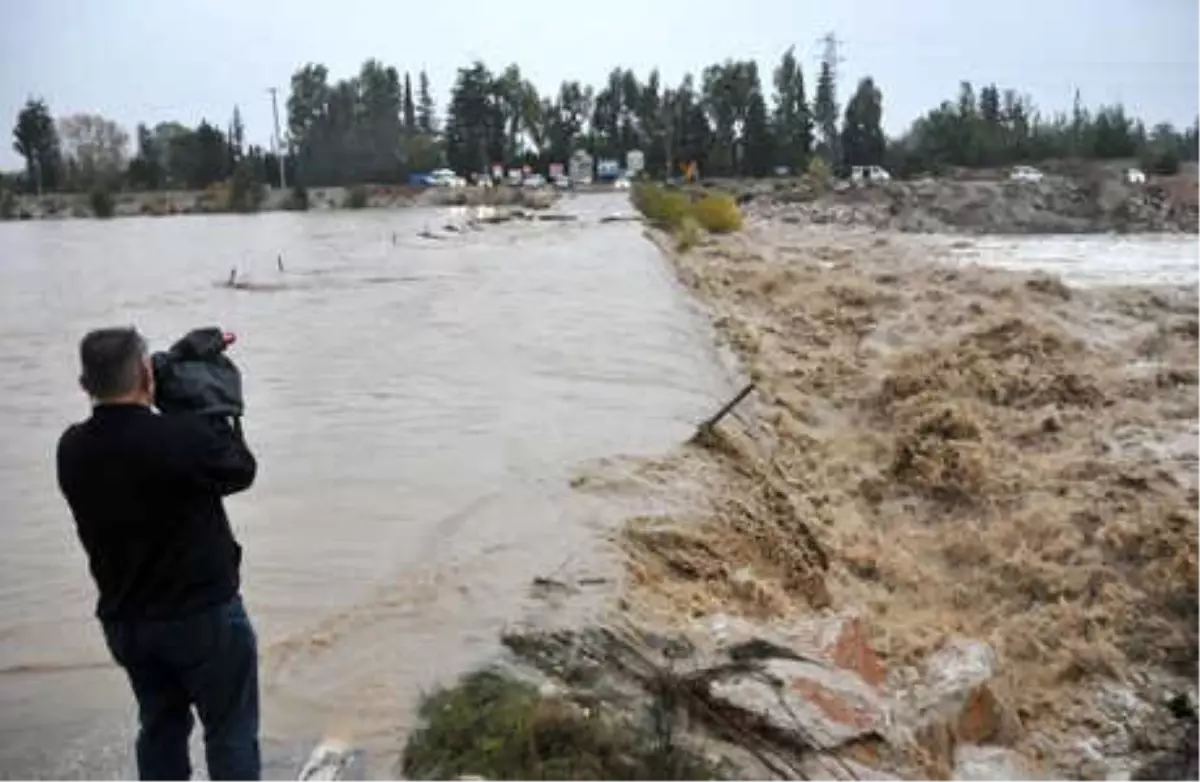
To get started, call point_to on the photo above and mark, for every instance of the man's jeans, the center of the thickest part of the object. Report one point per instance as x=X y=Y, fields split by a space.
x=210 y=661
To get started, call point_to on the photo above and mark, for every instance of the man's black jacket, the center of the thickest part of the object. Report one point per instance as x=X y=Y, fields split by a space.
x=145 y=490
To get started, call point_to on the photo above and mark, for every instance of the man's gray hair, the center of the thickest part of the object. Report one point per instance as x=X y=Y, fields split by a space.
x=112 y=362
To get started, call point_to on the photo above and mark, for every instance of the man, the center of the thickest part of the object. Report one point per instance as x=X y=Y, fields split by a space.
x=145 y=490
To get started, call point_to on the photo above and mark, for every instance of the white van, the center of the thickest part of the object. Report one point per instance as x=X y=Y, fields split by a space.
x=862 y=175
x=444 y=177
x=1135 y=176
x=1025 y=174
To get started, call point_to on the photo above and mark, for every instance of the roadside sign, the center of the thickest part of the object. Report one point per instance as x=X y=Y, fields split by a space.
x=635 y=161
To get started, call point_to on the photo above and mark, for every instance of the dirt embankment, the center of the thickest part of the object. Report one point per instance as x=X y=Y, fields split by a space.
x=162 y=203
x=950 y=452
x=1101 y=202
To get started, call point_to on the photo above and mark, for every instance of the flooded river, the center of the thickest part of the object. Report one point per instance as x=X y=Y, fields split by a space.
x=418 y=408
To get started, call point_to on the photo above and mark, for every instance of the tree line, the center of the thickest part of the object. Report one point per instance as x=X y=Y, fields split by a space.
x=84 y=152
x=730 y=120
x=1000 y=127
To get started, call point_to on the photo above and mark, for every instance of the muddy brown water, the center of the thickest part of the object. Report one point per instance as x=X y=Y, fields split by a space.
x=418 y=408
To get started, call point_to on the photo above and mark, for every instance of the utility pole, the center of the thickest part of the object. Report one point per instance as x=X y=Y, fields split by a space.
x=830 y=54
x=277 y=142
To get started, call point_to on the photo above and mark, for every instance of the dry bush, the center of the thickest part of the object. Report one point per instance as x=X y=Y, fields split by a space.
x=688 y=235
x=719 y=214
x=666 y=208
x=672 y=209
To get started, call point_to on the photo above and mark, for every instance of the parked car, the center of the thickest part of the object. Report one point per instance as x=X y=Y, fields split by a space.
x=1135 y=176
x=562 y=182
x=421 y=180
x=1026 y=174
x=621 y=183
x=534 y=180
x=444 y=177
x=860 y=175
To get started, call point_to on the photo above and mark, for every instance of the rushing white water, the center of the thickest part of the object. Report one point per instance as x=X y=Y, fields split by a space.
x=1093 y=259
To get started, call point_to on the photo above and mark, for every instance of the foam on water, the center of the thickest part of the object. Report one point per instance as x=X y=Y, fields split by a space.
x=1093 y=260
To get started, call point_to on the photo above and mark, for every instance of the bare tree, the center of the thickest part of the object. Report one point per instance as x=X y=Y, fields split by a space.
x=95 y=148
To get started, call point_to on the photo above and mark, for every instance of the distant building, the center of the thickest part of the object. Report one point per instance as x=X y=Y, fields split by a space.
x=579 y=168
x=635 y=162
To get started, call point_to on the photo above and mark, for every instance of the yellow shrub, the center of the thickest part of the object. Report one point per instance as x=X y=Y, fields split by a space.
x=719 y=214
x=819 y=172
x=675 y=211
x=688 y=235
x=659 y=205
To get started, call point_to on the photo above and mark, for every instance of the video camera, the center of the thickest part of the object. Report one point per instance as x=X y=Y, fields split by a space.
x=196 y=376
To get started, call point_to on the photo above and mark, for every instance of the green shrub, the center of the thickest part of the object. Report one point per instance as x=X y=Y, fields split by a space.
x=674 y=211
x=1163 y=161
x=496 y=727
x=688 y=234
x=819 y=171
x=102 y=201
x=8 y=205
x=246 y=191
x=663 y=207
x=356 y=198
x=719 y=214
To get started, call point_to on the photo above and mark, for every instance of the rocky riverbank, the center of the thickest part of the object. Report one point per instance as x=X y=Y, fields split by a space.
x=952 y=533
x=1098 y=203
x=994 y=472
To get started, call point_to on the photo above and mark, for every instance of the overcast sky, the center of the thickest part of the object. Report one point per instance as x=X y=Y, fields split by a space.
x=155 y=60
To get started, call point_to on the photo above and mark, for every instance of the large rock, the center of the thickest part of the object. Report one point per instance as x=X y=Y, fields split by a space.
x=824 y=765
x=957 y=700
x=817 y=681
x=331 y=760
x=823 y=707
x=838 y=641
x=986 y=763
